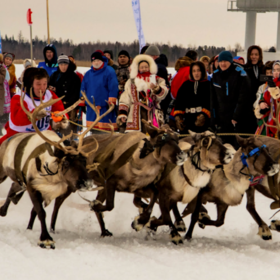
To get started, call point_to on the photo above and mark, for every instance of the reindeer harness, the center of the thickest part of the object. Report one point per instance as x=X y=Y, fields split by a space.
x=254 y=152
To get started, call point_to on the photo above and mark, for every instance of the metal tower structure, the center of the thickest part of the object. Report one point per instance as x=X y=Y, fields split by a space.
x=251 y=8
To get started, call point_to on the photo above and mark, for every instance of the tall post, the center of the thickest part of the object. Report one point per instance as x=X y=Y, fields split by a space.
x=31 y=45
x=48 y=22
x=250 y=34
x=278 y=34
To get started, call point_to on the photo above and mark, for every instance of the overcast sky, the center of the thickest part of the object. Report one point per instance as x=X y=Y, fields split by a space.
x=199 y=22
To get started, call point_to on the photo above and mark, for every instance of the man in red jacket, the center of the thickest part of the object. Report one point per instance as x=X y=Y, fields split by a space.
x=35 y=79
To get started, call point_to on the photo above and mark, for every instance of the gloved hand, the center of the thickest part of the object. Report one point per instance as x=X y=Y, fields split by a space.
x=200 y=120
x=63 y=124
x=41 y=114
x=179 y=123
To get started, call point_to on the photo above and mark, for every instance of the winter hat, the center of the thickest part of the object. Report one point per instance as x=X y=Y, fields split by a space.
x=123 y=52
x=109 y=52
x=277 y=62
x=63 y=59
x=96 y=55
x=27 y=63
x=10 y=55
x=225 y=56
x=238 y=58
x=205 y=57
x=152 y=50
x=102 y=53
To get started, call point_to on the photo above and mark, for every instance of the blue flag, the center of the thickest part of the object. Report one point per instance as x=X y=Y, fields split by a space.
x=0 y=43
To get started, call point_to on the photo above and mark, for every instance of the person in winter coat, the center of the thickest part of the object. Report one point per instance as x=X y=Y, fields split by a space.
x=254 y=68
x=182 y=66
x=27 y=63
x=143 y=93
x=36 y=80
x=5 y=98
x=101 y=83
x=205 y=60
x=80 y=75
x=229 y=97
x=109 y=55
x=263 y=88
x=8 y=59
x=192 y=106
x=154 y=52
x=239 y=60
x=123 y=69
x=50 y=63
x=65 y=82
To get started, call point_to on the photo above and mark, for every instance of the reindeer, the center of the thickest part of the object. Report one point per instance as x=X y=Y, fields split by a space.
x=45 y=167
x=229 y=183
x=183 y=183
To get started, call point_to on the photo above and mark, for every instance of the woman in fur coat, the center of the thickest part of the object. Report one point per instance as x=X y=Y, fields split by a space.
x=192 y=105
x=8 y=61
x=142 y=95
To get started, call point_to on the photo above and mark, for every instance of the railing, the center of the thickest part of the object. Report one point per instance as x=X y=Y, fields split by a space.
x=253 y=5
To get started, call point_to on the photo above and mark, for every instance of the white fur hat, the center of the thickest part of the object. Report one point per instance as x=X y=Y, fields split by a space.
x=137 y=60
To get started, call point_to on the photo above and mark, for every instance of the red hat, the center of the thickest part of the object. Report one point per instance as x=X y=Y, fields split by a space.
x=100 y=52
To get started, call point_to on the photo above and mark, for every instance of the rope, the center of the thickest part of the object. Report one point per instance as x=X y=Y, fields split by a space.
x=181 y=135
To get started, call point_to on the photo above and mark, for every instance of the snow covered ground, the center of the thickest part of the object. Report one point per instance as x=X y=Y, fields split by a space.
x=234 y=251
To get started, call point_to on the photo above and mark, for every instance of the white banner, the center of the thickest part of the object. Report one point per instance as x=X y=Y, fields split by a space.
x=138 y=22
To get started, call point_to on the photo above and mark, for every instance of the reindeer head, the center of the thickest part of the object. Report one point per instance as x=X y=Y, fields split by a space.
x=71 y=158
x=209 y=150
x=257 y=158
x=163 y=144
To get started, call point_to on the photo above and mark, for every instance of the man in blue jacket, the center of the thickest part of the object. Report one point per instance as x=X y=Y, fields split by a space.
x=101 y=84
x=50 y=55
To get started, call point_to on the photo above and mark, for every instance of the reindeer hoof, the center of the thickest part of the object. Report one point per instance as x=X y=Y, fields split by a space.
x=203 y=217
x=46 y=243
x=265 y=233
x=106 y=233
x=3 y=211
x=275 y=225
x=176 y=238
x=180 y=226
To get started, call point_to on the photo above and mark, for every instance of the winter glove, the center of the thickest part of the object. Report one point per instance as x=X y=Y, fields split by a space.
x=200 y=120
x=43 y=113
x=179 y=123
x=60 y=125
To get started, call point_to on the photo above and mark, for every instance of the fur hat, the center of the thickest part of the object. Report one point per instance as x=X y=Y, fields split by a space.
x=137 y=60
x=183 y=62
x=152 y=50
x=27 y=62
x=205 y=57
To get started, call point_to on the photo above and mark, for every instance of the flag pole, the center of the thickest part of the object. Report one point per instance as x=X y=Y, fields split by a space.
x=48 y=22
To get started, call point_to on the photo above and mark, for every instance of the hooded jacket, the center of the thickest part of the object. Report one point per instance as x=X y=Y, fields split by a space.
x=49 y=66
x=67 y=84
x=102 y=86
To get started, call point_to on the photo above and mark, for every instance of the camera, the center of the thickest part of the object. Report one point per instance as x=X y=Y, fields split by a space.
x=265 y=78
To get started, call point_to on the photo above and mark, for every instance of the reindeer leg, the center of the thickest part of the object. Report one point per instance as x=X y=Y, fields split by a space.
x=264 y=230
x=101 y=196
x=45 y=238
x=58 y=202
x=139 y=203
x=140 y=221
x=110 y=198
x=33 y=216
x=195 y=215
x=190 y=208
x=11 y=197
x=179 y=223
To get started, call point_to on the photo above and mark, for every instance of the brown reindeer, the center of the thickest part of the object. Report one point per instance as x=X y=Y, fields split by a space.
x=44 y=166
x=182 y=184
x=228 y=184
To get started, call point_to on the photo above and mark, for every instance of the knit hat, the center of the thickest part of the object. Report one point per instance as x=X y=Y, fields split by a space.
x=152 y=50
x=225 y=56
x=63 y=59
x=27 y=63
x=102 y=53
x=10 y=55
x=96 y=55
x=110 y=53
x=123 y=52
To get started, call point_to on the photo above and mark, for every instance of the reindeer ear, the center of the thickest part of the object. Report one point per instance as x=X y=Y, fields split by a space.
x=195 y=136
x=241 y=141
x=151 y=131
x=58 y=153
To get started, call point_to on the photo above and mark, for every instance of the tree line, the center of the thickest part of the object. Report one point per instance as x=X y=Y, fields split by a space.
x=20 y=46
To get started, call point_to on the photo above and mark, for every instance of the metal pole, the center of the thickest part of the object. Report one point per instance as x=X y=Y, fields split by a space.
x=48 y=23
x=250 y=35
x=31 y=45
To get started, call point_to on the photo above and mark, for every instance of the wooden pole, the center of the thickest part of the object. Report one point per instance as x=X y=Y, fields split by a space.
x=48 y=22
x=31 y=45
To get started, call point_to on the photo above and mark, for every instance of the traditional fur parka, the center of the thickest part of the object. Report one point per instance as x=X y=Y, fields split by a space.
x=138 y=97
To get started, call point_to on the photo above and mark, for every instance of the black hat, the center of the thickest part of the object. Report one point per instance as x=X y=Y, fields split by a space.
x=96 y=55
x=123 y=52
x=109 y=52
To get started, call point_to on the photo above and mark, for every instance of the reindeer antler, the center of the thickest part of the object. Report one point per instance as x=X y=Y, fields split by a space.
x=150 y=124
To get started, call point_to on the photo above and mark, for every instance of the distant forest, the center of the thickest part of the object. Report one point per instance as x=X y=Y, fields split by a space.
x=20 y=46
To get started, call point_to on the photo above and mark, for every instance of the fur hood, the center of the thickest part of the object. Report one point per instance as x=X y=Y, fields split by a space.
x=33 y=62
x=183 y=62
x=137 y=60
